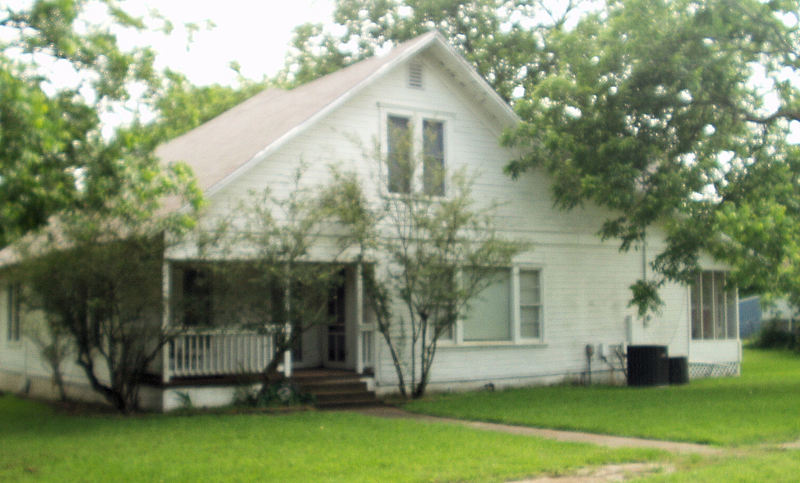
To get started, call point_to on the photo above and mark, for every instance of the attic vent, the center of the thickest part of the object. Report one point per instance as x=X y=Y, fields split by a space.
x=415 y=75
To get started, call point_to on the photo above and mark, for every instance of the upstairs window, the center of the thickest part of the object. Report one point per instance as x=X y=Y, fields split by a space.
x=713 y=308
x=399 y=154
x=433 y=157
x=13 y=306
x=405 y=143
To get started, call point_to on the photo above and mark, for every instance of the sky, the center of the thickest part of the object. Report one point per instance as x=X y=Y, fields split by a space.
x=255 y=33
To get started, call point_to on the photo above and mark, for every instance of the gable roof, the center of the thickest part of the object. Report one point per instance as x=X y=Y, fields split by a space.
x=227 y=145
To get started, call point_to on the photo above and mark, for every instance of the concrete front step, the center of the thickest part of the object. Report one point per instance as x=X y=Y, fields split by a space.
x=344 y=396
x=325 y=388
x=335 y=389
x=355 y=403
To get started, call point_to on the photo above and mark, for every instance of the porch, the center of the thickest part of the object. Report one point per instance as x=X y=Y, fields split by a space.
x=226 y=353
x=231 y=353
x=206 y=384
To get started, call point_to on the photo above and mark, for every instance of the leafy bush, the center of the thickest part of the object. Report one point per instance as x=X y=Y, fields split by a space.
x=278 y=394
x=775 y=335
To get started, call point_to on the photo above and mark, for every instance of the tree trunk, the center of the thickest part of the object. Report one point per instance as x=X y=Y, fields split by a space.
x=58 y=380
x=428 y=354
x=398 y=367
x=112 y=396
x=270 y=375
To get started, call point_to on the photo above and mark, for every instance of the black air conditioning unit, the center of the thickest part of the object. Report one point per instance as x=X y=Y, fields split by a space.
x=648 y=365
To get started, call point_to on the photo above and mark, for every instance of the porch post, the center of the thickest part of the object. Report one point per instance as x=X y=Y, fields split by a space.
x=166 y=279
x=359 y=318
x=287 y=356
x=287 y=303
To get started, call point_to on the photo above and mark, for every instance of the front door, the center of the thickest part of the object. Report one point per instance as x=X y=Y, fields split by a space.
x=336 y=336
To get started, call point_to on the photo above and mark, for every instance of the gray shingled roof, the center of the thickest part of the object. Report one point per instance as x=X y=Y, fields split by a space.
x=216 y=149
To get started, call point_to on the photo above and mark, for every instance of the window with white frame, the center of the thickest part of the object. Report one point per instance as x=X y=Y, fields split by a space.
x=403 y=139
x=530 y=304
x=399 y=150
x=433 y=157
x=714 y=310
x=491 y=316
x=14 y=332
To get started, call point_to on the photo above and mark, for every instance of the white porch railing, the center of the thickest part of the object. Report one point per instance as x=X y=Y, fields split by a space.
x=367 y=347
x=218 y=353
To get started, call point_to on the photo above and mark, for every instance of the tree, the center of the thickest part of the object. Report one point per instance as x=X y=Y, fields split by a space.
x=95 y=276
x=264 y=266
x=657 y=110
x=505 y=40
x=52 y=153
x=669 y=113
x=54 y=345
x=439 y=251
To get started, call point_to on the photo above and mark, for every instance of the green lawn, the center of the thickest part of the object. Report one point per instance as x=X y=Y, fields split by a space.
x=39 y=443
x=761 y=406
x=752 y=465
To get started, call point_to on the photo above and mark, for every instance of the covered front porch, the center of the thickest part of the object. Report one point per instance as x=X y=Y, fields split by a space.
x=218 y=345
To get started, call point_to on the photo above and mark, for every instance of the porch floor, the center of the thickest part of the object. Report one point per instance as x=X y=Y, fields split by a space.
x=323 y=372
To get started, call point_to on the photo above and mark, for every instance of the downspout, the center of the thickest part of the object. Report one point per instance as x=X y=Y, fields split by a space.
x=646 y=318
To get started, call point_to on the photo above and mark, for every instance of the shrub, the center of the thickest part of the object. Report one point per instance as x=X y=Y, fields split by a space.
x=277 y=394
x=774 y=334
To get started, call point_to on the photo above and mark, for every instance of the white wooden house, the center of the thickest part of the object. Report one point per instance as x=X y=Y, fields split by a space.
x=532 y=326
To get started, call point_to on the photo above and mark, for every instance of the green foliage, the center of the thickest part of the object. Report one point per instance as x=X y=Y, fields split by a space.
x=774 y=334
x=38 y=154
x=760 y=406
x=504 y=40
x=652 y=109
x=55 y=346
x=438 y=248
x=52 y=154
x=278 y=394
x=271 y=280
x=645 y=296
x=186 y=400
x=674 y=115
x=94 y=272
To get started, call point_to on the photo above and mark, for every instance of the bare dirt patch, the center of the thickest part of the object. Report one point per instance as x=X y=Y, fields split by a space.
x=621 y=472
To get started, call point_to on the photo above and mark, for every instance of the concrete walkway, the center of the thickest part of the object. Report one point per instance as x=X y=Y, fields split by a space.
x=558 y=435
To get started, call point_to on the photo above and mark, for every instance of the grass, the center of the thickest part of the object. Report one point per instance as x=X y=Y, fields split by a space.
x=755 y=465
x=43 y=444
x=761 y=406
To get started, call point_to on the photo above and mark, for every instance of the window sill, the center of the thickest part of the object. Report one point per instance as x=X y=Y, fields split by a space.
x=415 y=196
x=489 y=344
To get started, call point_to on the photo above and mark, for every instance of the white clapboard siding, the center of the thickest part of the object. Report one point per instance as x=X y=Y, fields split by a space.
x=586 y=282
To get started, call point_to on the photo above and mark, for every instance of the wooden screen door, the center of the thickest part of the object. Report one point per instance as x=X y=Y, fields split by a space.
x=336 y=346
